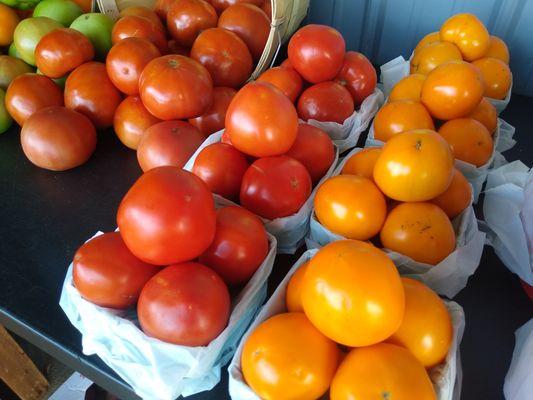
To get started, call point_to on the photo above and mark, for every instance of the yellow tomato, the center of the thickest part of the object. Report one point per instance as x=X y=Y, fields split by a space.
x=497 y=77
x=400 y=116
x=293 y=296
x=429 y=38
x=468 y=33
x=362 y=163
x=408 y=88
x=498 y=49
x=457 y=197
x=486 y=113
x=432 y=55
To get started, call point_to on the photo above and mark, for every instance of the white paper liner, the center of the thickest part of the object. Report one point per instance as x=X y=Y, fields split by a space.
x=518 y=384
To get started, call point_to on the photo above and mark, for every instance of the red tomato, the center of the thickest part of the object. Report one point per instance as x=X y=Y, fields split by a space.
x=168 y=143
x=187 y=18
x=107 y=274
x=275 y=187
x=358 y=75
x=131 y=120
x=62 y=50
x=286 y=64
x=326 y=101
x=317 y=52
x=225 y=138
x=221 y=5
x=135 y=26
x=285 y=79
x=314 y=149
x=186 y=304
x=261 y=121
x=225 y=56
x=176 y=87
x=175 y=48
x=213 y=119
x=57 y=138
x=89 y=91
x=28 y=93
x=161 y=8
x=182 y=225
x=141 y=11
x=221 y=167
x=240 y=245
x=126 y=60
x=267 y=8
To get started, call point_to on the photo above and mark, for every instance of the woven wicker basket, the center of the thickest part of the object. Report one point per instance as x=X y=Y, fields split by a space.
x=286 y=17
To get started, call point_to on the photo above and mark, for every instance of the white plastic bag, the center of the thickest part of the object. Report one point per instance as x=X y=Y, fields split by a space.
x=518 y=384
x=508 y=211
x=289 y=231
x=446 y=377
x=155 y=369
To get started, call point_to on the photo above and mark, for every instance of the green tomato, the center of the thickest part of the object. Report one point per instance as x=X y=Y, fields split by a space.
x=97 y=27
x=58 y=81
x=12 y=51
x=5 y=119
x=28 y=33
x=62 y=11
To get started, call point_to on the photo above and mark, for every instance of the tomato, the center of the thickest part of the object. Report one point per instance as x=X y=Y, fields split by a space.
x=84 y=4
x=285 y=79
x=432 y=55
x=185 y=304
x=429 y=38
x=401 y=116
x=221 y=5
x=317 y=52
x=168 y=143
x=240 y=245
x=97 y=101
x=457 y=197
x=497 y=77
x=415 y=165
x=98 y=28
x=275 y=187
x=248 y=22
x=452 y=90
x=362 y=163
x=469 y=139
x=29 y=32
x=135 y=26
x=62 y=11
x=286 y=64
x=383 y=371
x=314 y=149
x=222 y=168
x=8 y=22
x=326 y=101
x=187 y=18
x=267 y=8
x=175 y=48
x=277 y=362
x=10 y=68
x=486 y=113
x=28 y=93
x=107 y=274
x=141 y=11
x=358 y=76
x=126 y=60
x=213 y=119
x=352 y=293
x=57 y=138
x=61 y=51
x=225 y=56
x=498 y=49
x=180 y=228
x=176 y=87
x=261 y=128
x=161 y=8
x=5 y=119
x=293 y=295
x=131 y=120
x=468 y=33
x=408 y=88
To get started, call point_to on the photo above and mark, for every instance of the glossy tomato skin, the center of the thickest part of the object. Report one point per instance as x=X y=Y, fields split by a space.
x=221 y=5
x=431 y=37
x=168 y=143
x=275 y=187
x=181 y=227
x=107 y=274
x=222 y=168
x=486 y=113
x=326 y=101
x=186 y=304
x=126 y=60
x=161 y=8
x=358 y=75
x=408 y=88
x=96 y=101
x=213 y=119
x=457 y=197
x=176 y=87
x=131 y=120
x=135 y=26
x=285 y=79
x=317 y=52
x=240 y=245
x=498 y=49
x=362 y=163
x=261 y=128
x=225 y=56
x=62 y=50
x=9 y=21
x=141 y=11
x=29 y=93
x=468 y=33
x=497 y=76
x=432 y=55
x=293 y=297
x=401 y=116
x=57 y=138
x=187 y=18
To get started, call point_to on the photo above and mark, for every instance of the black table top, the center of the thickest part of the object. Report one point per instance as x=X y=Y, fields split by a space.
x=46 y=216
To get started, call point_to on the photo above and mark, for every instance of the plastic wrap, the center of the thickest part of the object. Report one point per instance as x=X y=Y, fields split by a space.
x=518 y=384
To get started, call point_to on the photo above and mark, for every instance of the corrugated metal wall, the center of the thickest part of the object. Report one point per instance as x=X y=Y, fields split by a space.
x=384 y=29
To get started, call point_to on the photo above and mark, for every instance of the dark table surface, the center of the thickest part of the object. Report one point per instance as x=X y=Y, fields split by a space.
x=46 y=216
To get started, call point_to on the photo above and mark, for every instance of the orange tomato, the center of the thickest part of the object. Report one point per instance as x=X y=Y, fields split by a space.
x=383 y=371
x=362 y=163
x=350 y=206
x=498 y=49
x=426 y=330
x=285 y=79
x=414 y=166
x=142 y=11
x=432 y=55
x=421 y=231
x=400 y=116
x=293 y=296
x=429 y=38
x=452 y=90
x=486 y=113
x=8 y=22
x=408 y=88
x=131 y=120
x=497 y=77
x=286 y=357
x=457 y=197
x=353 y=294
x=469 y=139
x=468 y=33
